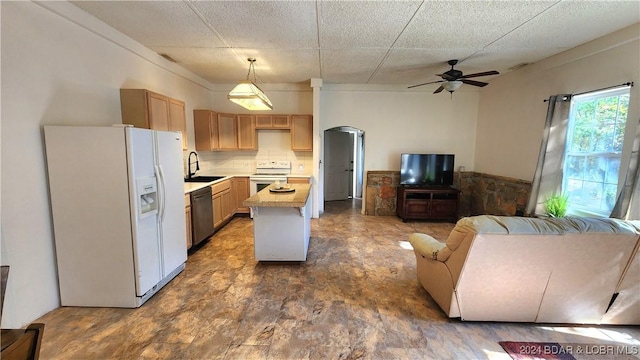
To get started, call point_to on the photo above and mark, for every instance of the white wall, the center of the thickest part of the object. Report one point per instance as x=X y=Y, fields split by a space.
x=397 y=120
x=57 y=71
x=512 y=112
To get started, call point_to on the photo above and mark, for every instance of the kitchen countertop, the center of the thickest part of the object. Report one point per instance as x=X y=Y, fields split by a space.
x=189 y=187
x=265 y=198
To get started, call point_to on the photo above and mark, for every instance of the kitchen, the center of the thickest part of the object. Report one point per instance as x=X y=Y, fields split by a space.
x=136 y=214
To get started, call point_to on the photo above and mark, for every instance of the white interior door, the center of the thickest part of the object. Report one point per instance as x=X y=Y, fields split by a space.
x=338 y=157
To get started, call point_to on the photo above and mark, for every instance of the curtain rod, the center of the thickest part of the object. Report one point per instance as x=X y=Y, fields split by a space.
x=604 y=88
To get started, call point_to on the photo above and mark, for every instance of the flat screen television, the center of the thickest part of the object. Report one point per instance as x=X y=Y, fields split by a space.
x=427 y=169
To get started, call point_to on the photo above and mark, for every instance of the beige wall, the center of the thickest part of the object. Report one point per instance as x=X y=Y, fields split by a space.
x=397 y=120
x=56 y=71
x=512 y=113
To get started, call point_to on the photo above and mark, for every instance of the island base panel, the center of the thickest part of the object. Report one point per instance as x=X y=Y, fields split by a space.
x=282 y=233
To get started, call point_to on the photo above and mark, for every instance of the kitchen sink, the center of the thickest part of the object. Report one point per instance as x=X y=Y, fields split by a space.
x=200 y=179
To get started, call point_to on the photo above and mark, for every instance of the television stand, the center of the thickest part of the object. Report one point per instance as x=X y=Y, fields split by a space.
x=427 y=203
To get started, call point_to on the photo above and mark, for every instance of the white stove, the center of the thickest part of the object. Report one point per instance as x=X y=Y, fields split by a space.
x=268 y=172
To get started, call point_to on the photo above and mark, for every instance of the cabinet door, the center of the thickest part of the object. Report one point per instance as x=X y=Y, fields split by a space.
x=240 y=190
x=218 y=214
x=301 y=133
x=205 y=125
x=227 y=204
x=158 y=111
x=264 y=121
x=187 y=218
x=281 y=122
x=177 y=119
x=247 y=139
x=227 y=132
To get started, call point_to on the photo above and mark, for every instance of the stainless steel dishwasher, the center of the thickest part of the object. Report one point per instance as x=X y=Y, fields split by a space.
x=201 y=214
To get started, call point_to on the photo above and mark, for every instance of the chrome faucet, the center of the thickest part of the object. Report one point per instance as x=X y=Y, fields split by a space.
x=189 y=164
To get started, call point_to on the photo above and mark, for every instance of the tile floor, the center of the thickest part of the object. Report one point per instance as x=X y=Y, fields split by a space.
x=356 y=297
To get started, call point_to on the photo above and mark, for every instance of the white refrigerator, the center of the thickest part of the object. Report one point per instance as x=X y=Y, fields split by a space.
x=117 y=200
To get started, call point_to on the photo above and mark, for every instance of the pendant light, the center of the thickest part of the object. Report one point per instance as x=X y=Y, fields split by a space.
x=248 y=95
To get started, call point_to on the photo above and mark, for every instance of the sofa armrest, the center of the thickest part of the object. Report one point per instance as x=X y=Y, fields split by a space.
x=428 y=246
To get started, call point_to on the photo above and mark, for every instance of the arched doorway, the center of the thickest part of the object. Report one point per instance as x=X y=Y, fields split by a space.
x=343 y=163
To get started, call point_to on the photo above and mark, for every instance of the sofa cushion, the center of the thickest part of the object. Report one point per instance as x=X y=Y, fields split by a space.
x=426 y=245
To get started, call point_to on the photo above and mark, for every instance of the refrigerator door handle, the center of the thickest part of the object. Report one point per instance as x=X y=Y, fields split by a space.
x=161 y=201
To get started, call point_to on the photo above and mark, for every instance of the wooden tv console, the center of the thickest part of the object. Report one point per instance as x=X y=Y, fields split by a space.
x=427 y=203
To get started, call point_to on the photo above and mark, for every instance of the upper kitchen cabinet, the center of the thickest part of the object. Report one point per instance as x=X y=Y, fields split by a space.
x=247 y=137
x=146 y=109
x=301 y=133
x=227 y=132
x=215 y=131
x=205 y=126
x=177 y=119
x=273 y=122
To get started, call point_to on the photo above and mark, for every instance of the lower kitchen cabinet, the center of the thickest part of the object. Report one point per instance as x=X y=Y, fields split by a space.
x=298 y=180
x=222 y=203
x=240 y=191
x=187 y=218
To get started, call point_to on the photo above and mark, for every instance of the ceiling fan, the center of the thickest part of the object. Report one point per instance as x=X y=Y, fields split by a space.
x=453 y=79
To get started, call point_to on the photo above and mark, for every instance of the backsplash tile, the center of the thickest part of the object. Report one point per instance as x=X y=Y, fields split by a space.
x=272 y=145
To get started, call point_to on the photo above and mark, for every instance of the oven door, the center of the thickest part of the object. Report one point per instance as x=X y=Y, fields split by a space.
x=259 y=183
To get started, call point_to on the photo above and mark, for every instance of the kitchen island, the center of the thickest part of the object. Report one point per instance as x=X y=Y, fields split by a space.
x=281 y=223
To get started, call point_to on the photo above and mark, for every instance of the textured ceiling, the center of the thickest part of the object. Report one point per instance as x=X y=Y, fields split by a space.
x=360 y=42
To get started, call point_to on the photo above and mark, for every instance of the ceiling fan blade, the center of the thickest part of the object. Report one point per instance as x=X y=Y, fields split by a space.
x=492 y=72
x=474 y=83
x=439 y=89
x=427 y=83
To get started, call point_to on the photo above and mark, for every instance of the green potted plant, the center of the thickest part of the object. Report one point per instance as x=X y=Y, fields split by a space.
x=556 y=205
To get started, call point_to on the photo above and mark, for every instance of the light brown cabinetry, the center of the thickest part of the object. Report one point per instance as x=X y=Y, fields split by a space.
x=298 y=180
x=187 y=218
x=205 y=125
x=273 y=122
x=240 y=191
x=222 y=202
x=247 y=139
x=227 y=132
x=146 y=109
x=224 y=132
x=177 y=119
x=215 y=131
x=301 y=133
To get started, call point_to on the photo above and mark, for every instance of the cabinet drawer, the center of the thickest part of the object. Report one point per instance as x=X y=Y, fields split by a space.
x=298 y=180
x=221 y=186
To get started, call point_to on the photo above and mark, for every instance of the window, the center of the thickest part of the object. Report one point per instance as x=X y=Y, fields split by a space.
x=593 y=151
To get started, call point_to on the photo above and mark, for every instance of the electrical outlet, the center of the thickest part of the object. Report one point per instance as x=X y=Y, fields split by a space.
x=300 y=167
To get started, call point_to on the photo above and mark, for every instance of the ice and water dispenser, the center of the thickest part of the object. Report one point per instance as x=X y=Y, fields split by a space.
x=147 y=191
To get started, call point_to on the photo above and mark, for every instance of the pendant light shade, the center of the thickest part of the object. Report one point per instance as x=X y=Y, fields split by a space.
x=248 y=95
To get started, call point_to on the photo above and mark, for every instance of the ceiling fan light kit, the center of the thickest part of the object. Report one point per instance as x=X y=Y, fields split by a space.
x=453 y=79
x=452 y=86
x=248 y=95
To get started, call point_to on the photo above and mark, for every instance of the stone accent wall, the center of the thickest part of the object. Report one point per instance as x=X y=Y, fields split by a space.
x=381 y=192
x=486 y=194
x=481 y=194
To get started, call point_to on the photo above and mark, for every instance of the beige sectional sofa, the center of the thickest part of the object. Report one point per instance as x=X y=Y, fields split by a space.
x=543 y=270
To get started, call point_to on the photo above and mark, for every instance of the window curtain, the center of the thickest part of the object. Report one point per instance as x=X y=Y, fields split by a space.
x=547 y=179
x=628 y=204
